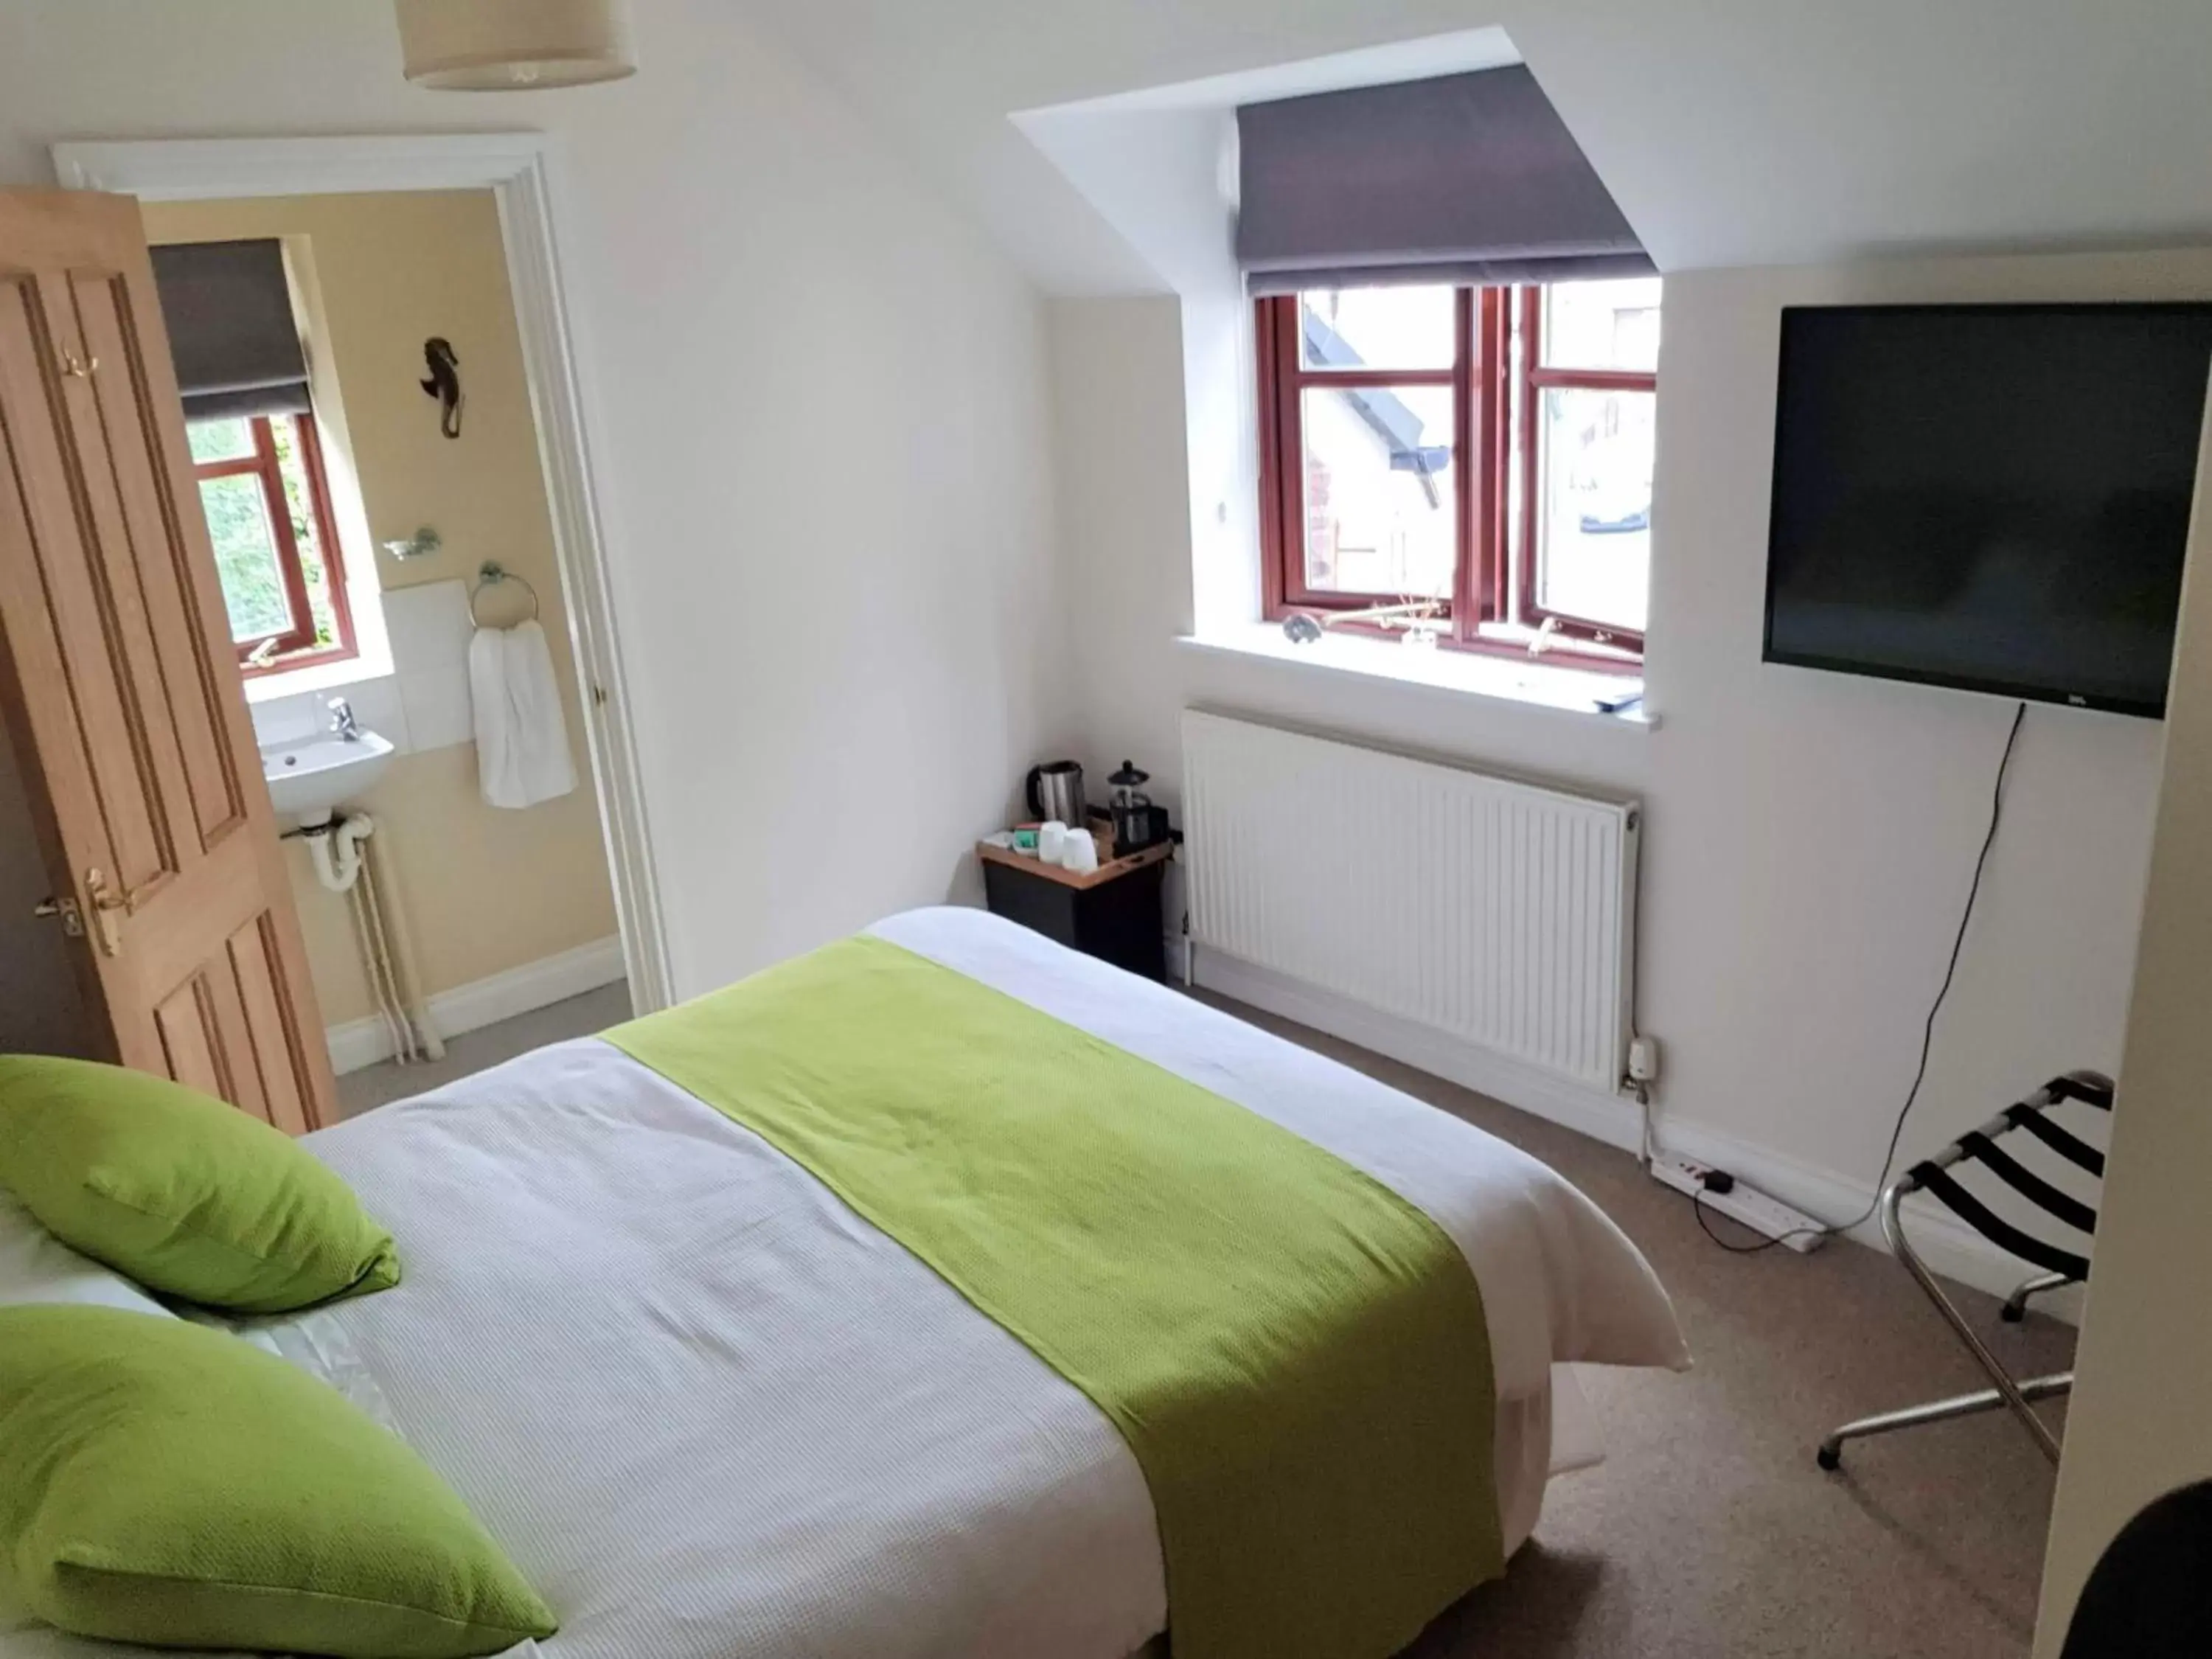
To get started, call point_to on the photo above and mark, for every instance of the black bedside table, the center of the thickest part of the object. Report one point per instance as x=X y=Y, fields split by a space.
x=1113 y=913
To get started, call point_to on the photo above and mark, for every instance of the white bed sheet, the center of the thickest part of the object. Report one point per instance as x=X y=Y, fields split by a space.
x=712 y=1414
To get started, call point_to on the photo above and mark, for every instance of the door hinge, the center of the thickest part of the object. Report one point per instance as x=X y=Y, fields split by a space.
x=598 y=697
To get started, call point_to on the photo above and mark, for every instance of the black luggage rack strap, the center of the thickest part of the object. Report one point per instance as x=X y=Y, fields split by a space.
x=1933 y=1176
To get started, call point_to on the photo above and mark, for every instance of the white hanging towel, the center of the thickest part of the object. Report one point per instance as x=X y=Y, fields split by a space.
x=522 y=741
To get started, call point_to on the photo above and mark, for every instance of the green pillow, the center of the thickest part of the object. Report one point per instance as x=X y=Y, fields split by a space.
x=186 y=1196
x=164 y=1483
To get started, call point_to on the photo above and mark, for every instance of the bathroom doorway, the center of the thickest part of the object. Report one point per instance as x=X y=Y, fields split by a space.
x=412 y=567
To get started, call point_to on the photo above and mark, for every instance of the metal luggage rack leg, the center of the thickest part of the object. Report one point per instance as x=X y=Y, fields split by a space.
x=2059 y=1267
x=2015 y=1307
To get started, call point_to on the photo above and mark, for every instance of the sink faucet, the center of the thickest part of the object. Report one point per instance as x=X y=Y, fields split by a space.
x=342 y=720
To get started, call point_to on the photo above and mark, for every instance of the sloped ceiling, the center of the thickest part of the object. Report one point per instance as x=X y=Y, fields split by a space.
x=1730 y=131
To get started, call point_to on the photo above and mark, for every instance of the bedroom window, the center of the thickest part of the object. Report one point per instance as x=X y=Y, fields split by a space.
x=269 y=515
x=1480 y=456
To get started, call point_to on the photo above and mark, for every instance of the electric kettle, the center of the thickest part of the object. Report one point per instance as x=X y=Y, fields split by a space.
x=1056 y=790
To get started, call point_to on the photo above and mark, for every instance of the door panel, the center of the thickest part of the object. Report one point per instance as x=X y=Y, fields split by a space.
x=107 y=576
x=252 y=951
x=187 y=1044
x=212 y=785
x=56 y=578
x=120 y=681
x=226 y=1006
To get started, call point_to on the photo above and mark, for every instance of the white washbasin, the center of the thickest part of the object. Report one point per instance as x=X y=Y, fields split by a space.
x=310 y=780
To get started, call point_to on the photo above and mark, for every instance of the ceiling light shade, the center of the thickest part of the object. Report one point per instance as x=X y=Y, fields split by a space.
x=515 y=46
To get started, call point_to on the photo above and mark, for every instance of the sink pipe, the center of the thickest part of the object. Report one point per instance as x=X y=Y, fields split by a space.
x=335 y=851
x=342 y=864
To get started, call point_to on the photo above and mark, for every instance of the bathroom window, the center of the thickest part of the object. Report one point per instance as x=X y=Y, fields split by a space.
x=1474 y=461
x=267 y=508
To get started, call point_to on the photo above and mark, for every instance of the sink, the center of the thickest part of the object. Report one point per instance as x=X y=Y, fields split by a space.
x=310 y=780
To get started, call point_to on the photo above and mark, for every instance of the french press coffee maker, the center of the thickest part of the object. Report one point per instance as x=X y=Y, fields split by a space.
x=1137 y=822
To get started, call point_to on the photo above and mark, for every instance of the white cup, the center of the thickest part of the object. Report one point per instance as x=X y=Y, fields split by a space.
x=1080 y=856
x=1052 y=840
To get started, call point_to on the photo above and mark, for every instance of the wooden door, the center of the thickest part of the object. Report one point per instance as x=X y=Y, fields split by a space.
x=120 y=684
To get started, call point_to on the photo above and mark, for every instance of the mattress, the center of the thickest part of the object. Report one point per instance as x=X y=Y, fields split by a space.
x=712 y=1414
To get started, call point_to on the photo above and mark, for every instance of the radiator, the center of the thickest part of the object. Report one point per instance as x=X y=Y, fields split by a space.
x=1496 y=911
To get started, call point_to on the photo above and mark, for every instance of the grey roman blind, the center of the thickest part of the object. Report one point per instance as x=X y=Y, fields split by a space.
x=231 y=330
x=1466 y=179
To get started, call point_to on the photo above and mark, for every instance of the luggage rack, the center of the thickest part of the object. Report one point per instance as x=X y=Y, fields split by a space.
x=2058 y=1267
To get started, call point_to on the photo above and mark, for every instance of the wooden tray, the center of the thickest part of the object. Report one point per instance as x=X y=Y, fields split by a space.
x=1104 y=872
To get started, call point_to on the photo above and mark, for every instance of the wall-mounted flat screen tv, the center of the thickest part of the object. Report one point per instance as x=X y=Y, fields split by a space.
x=1992 y=497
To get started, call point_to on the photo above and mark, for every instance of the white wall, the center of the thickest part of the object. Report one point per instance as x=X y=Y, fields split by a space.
x=1808 y=838
x=2139 y=1423
x=1731 y=132
x=820 y=411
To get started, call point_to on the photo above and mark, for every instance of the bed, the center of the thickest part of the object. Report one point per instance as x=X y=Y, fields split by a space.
x=712 y=1413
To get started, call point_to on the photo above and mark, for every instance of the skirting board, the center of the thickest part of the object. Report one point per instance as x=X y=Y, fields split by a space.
x=487 y=1001
x=1948 y=1246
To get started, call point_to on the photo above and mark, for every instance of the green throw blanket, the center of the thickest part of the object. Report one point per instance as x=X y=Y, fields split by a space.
x=1296 y=1355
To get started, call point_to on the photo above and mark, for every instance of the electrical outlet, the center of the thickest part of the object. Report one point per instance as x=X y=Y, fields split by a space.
x=1644 y=1059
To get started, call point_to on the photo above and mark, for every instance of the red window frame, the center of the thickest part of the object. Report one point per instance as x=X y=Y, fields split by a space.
x=1536 y=378
x=1496 y=392
x=295 y=647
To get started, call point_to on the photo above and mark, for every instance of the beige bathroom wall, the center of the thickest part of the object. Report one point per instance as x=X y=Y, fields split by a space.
x=484 y=890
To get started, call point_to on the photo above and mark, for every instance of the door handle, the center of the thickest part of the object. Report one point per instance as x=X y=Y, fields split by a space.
x=107 y=906
x=72 y=919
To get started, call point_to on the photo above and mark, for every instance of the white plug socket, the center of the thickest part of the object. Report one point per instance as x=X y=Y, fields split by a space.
x=1644 y=1059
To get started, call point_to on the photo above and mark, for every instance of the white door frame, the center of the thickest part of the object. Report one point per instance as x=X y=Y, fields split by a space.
x=519 y=168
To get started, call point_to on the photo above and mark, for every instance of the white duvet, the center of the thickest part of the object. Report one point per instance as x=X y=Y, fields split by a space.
x=713 y=1414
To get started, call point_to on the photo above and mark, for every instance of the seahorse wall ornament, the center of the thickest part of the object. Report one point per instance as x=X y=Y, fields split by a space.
x=444 y=384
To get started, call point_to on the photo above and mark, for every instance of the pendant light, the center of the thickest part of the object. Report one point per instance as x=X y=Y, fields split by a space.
x=515 y=46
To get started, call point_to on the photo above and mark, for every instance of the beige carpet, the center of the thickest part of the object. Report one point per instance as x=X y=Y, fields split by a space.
x=1709 y=1533
x=481 y=1050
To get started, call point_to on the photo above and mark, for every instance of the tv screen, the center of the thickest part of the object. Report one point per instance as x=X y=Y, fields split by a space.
x=1994 y=497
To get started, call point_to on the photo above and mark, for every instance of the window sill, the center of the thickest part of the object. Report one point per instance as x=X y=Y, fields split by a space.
x=316 y=676
x=1570 y=693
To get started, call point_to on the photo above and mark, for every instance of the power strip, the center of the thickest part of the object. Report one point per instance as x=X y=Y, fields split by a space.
x=1754 y=1209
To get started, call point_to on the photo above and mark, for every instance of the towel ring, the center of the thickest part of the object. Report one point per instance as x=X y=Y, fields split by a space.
x=491 y=573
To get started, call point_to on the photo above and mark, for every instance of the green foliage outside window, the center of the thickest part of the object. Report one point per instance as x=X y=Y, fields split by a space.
x=248 y=553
